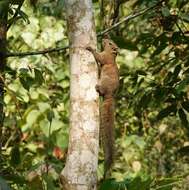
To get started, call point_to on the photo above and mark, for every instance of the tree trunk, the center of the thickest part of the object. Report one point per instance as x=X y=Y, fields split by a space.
x=3 y=35
x=80 y=172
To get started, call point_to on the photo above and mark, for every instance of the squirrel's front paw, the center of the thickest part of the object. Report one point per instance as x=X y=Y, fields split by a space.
x=97 y=87
x=89 y=48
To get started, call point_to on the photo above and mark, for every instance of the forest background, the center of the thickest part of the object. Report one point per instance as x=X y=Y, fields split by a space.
x=152 y=104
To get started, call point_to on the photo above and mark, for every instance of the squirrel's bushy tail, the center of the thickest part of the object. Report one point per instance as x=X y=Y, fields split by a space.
x=107 y=132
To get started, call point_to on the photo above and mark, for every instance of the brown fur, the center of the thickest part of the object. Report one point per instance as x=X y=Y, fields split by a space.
x=107 y=85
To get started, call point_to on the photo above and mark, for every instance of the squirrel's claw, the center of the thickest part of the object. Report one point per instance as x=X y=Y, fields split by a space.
x=89 y=48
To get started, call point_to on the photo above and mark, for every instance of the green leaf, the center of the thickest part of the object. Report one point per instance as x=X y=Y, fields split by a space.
x=186 y=71
x=160 y=93
x=4 y=5
x=32 y=117
x=10 y=71
x=62 y=139
x=183 y=118
x=50 y=115
x=15 y=155
x=141 y=72
x=43 y=106
x=177 y=38
x=4 y=185
x=167 y=111
x=166 y=183
x=185 y=17
x=16 y=178
x=182 y=85
x=145 y=100
x=23 y=71
x=2 y=102
x=26 y=82
x=109 y=184
x=165 y=11
x=184 y=151
x=140 y=142
x=138 y=182
x=38 y=76
x=59 y=7
x=160 y=43
x=172 y=78
x=13 y=20
x=168 y=78
x=146 y=38
x=56 y=125
x=128 y=183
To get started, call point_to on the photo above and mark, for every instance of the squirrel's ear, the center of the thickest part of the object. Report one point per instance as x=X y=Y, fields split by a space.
x=106 y=36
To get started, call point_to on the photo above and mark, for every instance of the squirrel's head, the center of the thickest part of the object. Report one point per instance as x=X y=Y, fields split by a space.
x=109 y=45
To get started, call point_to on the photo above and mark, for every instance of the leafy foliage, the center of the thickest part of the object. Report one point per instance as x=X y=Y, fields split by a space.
x=152 y=104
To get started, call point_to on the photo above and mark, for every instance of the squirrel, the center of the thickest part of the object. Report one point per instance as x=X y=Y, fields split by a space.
x=107 y=86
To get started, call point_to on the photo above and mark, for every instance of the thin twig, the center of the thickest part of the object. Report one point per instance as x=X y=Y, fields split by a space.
x=128 y=18
x=181 y=31
x=168 y=185
x=99 y=34
x=22 y=54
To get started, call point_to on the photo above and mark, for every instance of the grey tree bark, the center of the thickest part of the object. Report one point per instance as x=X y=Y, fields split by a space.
x=80 y=172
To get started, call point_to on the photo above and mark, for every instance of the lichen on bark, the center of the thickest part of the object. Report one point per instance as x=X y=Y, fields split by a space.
x=80 y=171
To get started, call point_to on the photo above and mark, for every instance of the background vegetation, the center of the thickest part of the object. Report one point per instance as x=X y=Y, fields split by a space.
x=152 y=107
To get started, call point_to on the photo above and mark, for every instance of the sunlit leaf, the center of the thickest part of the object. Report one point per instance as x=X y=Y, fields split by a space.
x=62 y=140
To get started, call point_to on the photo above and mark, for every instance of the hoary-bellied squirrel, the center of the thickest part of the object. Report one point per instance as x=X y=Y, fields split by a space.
x=107 y=85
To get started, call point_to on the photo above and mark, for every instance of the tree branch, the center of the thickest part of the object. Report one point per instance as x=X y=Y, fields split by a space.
x=181 y=31
x=126 y=19
x=23 y=54
x=16 y=14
